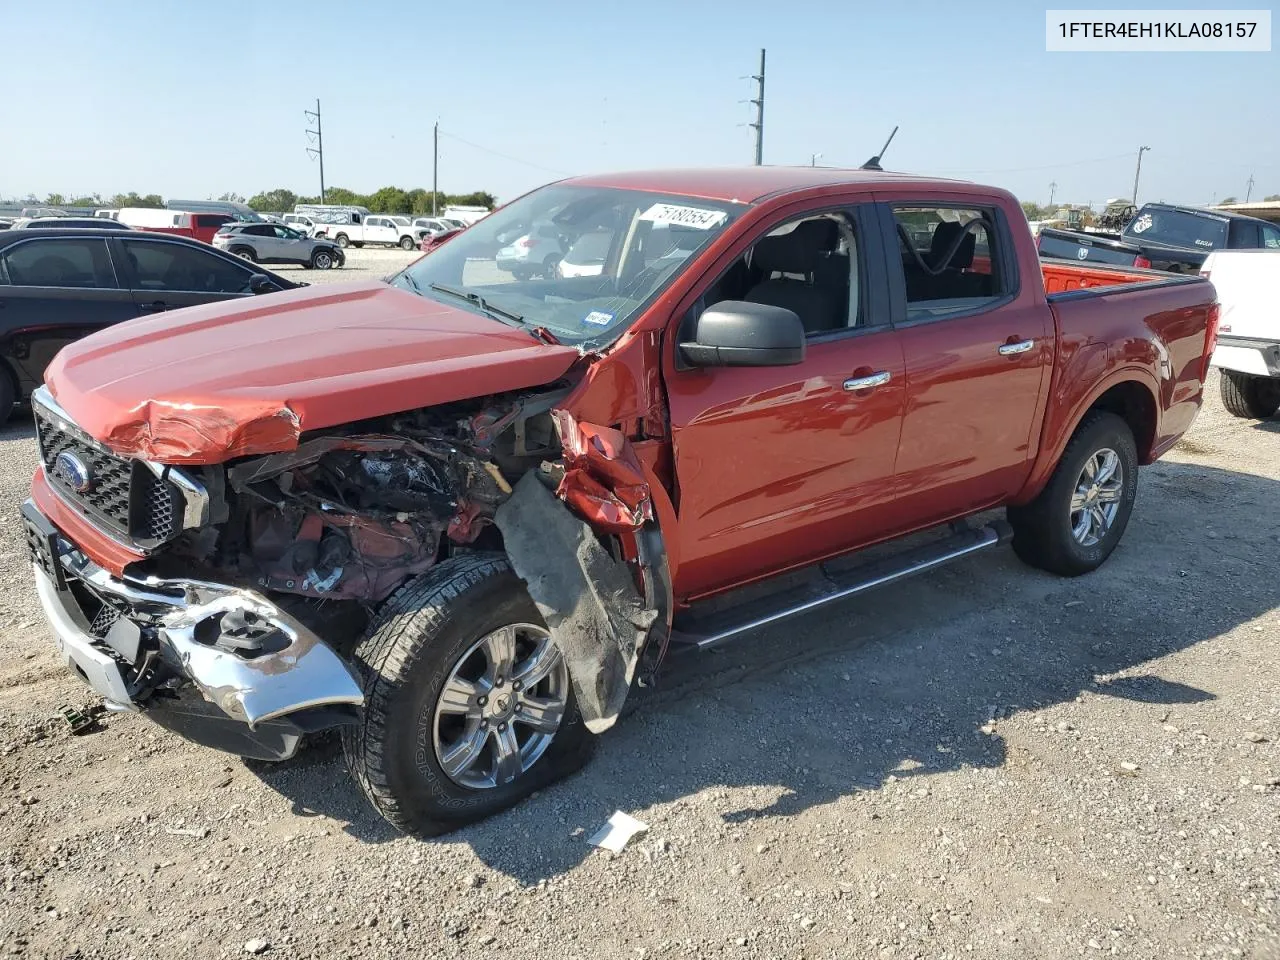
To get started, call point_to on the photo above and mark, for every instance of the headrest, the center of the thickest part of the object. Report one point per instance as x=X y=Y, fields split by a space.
x=798 y=250
x=944 y=235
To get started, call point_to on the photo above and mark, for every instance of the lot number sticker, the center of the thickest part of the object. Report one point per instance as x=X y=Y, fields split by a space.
x=695 y=217
x=598 y=318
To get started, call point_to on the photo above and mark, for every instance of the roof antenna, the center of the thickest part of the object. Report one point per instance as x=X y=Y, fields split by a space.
x=874 y=162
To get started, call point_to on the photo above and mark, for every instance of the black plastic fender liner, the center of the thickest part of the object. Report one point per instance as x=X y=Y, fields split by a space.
x=589 y=600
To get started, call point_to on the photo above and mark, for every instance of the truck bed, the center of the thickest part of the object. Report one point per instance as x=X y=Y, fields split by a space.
x=1068 y=276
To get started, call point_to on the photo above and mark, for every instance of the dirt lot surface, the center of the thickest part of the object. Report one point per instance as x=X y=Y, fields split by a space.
x=985 y=762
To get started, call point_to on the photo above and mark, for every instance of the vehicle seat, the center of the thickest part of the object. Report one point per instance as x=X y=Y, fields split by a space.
x=954 y=280
x=794 y=267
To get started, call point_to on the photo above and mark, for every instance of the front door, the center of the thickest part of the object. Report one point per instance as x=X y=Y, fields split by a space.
x=779 y=466
x=978 y=348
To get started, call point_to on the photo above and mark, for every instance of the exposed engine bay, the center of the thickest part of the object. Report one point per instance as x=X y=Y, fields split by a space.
x=351 y=515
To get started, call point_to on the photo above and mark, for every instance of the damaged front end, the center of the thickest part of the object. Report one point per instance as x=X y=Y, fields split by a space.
x=239 y=632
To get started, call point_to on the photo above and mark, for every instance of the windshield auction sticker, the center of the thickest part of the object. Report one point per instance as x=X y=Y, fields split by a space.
x=1172 y=31
x=698 y=218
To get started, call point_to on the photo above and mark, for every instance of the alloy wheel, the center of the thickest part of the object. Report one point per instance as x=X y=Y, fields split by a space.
x=1096 y=500
x=501 y=707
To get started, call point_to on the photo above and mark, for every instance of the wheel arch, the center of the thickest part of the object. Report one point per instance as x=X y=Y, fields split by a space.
x=1130 y=394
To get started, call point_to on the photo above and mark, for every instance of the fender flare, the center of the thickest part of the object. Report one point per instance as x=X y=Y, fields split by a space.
x=1050 y=453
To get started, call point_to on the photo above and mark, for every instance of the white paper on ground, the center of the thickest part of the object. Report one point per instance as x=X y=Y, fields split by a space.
x=617 y=833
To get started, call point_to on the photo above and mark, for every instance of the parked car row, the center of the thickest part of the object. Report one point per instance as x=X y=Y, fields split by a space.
x=1164 y=236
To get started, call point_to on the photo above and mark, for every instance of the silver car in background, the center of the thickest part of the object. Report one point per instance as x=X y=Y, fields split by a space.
x=275 y=243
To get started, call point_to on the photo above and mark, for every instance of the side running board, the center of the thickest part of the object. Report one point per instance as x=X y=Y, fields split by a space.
x=702 y=632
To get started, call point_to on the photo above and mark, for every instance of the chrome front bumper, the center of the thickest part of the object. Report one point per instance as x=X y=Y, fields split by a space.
x=182 y=628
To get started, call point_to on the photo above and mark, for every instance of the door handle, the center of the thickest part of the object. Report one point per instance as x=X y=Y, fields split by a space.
x=156 y=306
x=868 y=383
x=1011 y=349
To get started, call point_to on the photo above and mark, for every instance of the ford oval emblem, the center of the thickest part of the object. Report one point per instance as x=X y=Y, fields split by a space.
x=74 y=472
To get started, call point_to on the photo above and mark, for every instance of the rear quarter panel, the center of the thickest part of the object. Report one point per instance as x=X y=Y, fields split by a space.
x=1151 y=334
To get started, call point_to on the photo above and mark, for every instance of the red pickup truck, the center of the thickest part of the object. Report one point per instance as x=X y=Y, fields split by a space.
x=460 y=514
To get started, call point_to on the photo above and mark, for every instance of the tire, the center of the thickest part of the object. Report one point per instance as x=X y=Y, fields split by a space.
x=358 y=244
x=244 y=253
x=522 y=273
x=322 y=259
x=550 y=267
x=1046 y=531
x=406 y=243
x=422 y=635
x=343 y=240
x=1248 y=396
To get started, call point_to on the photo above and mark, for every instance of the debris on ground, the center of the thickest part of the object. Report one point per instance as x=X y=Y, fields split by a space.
x=617 y=832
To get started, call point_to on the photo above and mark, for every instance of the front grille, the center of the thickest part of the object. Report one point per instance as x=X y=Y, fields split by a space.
x=108 y=500
x=126 y=498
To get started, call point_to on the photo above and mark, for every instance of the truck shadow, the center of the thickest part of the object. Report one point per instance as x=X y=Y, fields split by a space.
x=902 y=685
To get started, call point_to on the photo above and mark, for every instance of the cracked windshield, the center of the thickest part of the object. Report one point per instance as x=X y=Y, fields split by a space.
x=578 y=261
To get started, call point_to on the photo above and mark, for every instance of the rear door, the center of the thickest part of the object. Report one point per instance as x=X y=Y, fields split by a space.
x=977 y=350
x=53 y=291
x=380 y=230
x=165 y=274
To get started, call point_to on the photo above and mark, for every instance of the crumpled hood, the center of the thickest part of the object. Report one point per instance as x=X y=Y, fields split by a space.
x=247 y=376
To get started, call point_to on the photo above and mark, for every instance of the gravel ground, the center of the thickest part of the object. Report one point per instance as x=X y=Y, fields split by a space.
x=366 y=263
x=987 y=762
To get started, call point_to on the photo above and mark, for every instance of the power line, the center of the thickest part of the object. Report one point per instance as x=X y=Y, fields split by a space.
x=758 y=126
x=318 y=150
x=504 y=156
x=1047 y=166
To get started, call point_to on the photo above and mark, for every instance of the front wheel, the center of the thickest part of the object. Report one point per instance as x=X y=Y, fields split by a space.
x=1080 y=516
x=322 y=260
x=468 y=703
x=1248 y=396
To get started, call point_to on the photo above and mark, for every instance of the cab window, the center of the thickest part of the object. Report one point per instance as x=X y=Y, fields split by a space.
x=808 y=265
x=950 y=260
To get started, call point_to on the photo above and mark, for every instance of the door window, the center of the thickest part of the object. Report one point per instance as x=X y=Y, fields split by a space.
x=950 y=260
x=1270 y=237
x=159 y=265
x=77 y=262
x=808 y=265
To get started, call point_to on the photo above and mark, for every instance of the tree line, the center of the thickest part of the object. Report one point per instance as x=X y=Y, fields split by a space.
x=386 y=200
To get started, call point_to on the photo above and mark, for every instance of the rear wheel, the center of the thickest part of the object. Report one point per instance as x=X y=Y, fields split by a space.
x=406 y=243
x=1080 y=516
x=342 y=240
x=245 y=253
x=551 y=267
x=1248 y=396
x=468 y=703
x=322 y=260
x=522 y=273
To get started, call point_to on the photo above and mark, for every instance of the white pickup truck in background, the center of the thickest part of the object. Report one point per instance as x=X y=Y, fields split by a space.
x=359 y=229
x=1248 y=350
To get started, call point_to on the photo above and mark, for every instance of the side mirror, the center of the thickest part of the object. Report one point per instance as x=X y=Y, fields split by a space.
x=734 y=333
x=260 y=283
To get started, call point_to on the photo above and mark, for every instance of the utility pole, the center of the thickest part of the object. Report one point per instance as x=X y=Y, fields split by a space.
x=1053 y=188
x=435 y=164
x=758 y=126
x=1137 y=173
x=814 y=158
x=318 y=139
x=1249 y=192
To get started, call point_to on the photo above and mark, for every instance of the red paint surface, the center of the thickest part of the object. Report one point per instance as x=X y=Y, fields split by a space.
x=750 y=471
x=247 y=376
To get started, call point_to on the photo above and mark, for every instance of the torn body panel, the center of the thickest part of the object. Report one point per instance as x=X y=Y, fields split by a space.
x=589 y=600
